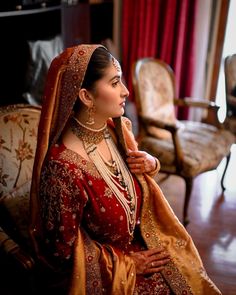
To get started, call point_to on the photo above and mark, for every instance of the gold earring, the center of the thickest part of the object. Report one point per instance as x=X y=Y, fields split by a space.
x=91 y=112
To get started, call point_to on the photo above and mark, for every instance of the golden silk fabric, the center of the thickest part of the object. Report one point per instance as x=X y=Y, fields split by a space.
x=159 y=225
x=118 y=270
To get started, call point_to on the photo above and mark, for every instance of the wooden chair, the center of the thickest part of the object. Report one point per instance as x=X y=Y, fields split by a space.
x=230 y=91
x=184 y=148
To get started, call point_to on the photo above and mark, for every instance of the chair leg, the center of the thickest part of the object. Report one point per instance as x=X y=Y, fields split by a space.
x=188 y=191
x=223 y=175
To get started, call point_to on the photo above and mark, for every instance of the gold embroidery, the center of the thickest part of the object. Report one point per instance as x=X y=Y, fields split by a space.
x=87 y=134
x=84 y=165
x=180 y=243
x=93 y=273
x=72 y=74
x=151 y=235
x=108 y=192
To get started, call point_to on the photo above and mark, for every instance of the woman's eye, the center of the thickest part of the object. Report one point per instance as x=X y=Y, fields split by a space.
x=114 y=84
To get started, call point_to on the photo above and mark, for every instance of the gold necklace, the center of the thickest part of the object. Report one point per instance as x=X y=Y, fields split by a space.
x=87 y=134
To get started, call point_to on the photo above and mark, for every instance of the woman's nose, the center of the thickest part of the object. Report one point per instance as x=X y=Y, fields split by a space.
x=125 y=91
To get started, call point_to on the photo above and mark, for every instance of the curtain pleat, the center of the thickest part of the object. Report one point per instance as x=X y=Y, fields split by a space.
x=163 y=29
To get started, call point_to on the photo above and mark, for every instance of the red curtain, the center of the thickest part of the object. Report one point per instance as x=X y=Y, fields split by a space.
x=162 y=29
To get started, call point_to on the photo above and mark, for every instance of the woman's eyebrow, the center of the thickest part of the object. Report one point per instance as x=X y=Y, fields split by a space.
x=115 y=77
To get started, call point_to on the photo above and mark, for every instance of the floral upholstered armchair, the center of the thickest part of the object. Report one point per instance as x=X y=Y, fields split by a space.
x=18 y=137
x=184 y=148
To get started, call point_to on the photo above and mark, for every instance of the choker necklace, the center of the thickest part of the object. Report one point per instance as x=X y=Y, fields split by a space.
x=87 y=134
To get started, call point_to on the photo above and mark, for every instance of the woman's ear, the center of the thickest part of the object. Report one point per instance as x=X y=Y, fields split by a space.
x=86 y=97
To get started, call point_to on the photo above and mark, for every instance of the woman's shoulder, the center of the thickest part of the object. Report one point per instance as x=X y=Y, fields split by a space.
x=61 y=156
x=59 y=152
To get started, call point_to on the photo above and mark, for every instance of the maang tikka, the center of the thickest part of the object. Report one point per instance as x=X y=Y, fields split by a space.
x=91 y=112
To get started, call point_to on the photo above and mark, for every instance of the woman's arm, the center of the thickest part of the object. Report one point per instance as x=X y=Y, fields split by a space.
x=62 y=203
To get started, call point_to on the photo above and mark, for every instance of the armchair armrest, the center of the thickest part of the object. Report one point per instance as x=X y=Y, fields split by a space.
x=200 y=103
x=210 y=106
x=160 y=124
x=173 y=128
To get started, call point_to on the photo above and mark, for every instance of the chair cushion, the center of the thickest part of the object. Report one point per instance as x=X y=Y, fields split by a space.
x=204 y=146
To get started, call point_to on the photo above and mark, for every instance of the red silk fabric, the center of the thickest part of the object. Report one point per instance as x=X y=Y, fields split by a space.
x=163 y=29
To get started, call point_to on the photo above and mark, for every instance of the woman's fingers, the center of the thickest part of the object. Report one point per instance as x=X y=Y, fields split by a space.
x=155 y=251
x=156 y=265
x=150 y=261
x=140 y=162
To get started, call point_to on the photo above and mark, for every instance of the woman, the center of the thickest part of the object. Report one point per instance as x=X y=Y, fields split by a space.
x=98 y=214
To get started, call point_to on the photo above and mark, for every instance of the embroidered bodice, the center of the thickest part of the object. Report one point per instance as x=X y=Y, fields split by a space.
x=72 y=193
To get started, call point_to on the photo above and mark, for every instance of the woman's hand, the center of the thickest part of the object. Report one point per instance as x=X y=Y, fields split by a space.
x=141 y=162
x=150 y=261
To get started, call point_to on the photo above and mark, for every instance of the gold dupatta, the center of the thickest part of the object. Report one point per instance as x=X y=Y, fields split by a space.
x=160 y=227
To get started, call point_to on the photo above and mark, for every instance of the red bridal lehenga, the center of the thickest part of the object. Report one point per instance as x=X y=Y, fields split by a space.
x=84 y=213
x=73 y=194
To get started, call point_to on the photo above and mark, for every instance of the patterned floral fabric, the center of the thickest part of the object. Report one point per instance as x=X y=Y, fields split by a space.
x=18 y=137
x=157 y=91
x=19 y=126
x=197 y=140
x=72 y=183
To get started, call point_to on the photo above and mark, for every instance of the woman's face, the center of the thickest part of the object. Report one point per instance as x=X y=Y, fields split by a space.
x=110 y=93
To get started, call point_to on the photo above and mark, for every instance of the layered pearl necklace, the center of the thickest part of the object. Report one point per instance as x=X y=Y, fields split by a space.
x=116 y=174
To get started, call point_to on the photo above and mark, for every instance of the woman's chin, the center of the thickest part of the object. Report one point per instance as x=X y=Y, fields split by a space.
x=118 y=114
x=122 y=112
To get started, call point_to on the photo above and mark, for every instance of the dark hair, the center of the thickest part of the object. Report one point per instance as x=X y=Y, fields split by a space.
x=99 y=61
